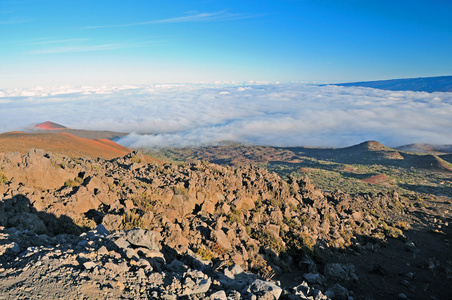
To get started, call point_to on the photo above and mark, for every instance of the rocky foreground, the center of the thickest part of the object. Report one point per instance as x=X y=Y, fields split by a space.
x=130 y=264
x=96 y=229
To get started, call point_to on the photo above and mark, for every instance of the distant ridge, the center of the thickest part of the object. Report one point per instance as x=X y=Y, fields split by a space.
x=367 y=153
x=422 y=84
x=366 y=146
x=426 y=148
x=49 y=127
x=372 y=152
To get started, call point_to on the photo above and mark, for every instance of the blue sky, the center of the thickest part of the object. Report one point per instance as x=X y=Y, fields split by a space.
x=79 y=42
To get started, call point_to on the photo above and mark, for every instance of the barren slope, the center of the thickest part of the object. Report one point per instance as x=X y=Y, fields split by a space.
x=63 y=143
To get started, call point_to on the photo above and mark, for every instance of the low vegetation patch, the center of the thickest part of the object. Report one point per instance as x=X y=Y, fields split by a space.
x=267 y=238
x=3 y=178
x=204 y=254
x=132 y=220
x=73 y=182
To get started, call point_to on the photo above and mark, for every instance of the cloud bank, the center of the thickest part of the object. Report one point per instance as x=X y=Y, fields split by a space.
x=271 y=114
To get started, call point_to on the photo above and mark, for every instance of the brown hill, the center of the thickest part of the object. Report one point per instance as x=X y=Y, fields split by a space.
x=63 y=143
x=369 y=152
x=431 y=162
x=49 y=126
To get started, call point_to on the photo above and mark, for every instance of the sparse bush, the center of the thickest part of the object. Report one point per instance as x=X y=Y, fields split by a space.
x=143 y=202
x=234 y=217
x=420 y=203
x=180 y=190
x=248 y=230
x=85 y=224
x=402 y=225
x=204 y=254
x=347 y=235
x=218 y=249
x=275 y=202
x=298 y=243
x=308 y=241
x=135 y=159
x=95 y=168
x=3 y=177
x=258 y=203
x=267 y=238
x=132 y=220
x=260 y=266
x=293 y=207
x=330 y=219
x=394 y=233
x=111 y=186
x=303 y=220
x=293 y=225
x=73 y=182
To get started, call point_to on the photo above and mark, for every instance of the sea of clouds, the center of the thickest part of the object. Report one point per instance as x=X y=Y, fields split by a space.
x=270 y=114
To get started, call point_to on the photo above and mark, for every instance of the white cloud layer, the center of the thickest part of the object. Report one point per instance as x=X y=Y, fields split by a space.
x=270 y=114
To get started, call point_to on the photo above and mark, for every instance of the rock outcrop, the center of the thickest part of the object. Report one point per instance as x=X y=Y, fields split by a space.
x=196 y=230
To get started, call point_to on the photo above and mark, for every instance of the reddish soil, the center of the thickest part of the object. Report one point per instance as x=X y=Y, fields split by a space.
x=377 y=179
x=49 y=126
x=63 y=143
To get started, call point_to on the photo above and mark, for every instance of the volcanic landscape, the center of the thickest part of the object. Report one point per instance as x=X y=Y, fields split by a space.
x=83 y=217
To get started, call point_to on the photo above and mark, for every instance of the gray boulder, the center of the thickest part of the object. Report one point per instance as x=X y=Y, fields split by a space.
x=232 y=271
x=220 y=295
x=143 y=238
x=341 y=272
x=337 y=292
x=314 y=278
x=264 y=289
x=27 y=221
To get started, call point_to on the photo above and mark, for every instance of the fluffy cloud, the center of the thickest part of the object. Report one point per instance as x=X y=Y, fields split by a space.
x=271 y=114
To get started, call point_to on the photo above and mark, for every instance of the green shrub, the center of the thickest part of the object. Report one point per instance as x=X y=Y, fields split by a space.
x=402 y=225
x=85 y=224
x=267 y=238
x=248 y=230
x=73 y=182
x=303 y=220
x=394 y=233
x=204 y=253
x=258 y=204
x=132 y=220
x=260 y=266
x=298 y=243
x=3 y=178
x=180 y=190
x=136 y=159
x=143 y=202
x=293 y=225
x=293 y=207
x=234 y=217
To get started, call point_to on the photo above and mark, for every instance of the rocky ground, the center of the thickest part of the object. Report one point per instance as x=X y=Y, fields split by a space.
x=123 y=228
x=127 y=264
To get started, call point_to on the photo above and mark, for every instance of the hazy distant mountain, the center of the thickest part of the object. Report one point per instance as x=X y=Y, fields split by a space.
x=51 y=127
x=426 y=148
x=425 y=84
